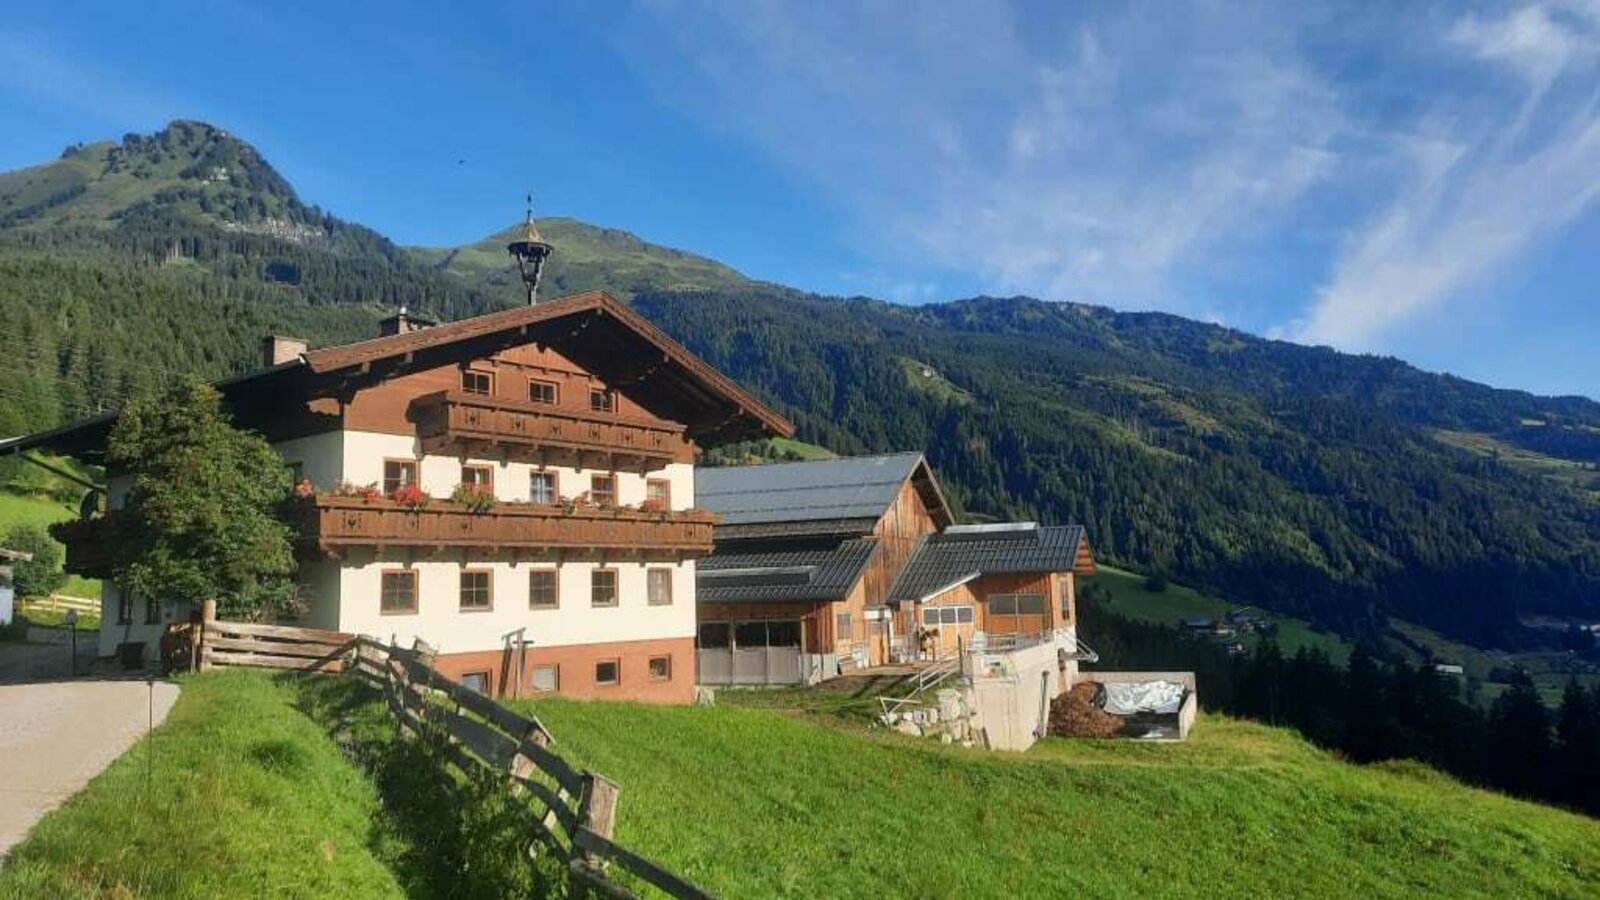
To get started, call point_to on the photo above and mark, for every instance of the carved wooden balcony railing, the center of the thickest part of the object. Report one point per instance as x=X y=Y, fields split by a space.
x=336 y=523
x=454 y=421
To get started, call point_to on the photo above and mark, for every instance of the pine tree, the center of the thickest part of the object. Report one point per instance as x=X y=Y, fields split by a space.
x=1519 y=739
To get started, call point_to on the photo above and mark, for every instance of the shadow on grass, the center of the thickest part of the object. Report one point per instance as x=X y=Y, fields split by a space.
x=445 y=835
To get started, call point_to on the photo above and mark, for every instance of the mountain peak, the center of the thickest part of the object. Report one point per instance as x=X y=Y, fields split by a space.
x=190 y=169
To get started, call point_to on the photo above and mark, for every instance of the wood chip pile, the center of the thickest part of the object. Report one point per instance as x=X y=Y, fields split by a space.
x=1074 y=714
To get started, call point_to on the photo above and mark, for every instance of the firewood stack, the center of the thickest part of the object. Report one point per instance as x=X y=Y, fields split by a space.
x=1075 y=714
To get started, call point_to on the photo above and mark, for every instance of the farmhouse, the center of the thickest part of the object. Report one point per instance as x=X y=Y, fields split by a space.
x=566 y=433
x=825 y=566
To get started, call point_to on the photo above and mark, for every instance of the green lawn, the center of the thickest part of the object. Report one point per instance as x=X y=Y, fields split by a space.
x=757 y=802
x=1130 y=598
x=244 y=797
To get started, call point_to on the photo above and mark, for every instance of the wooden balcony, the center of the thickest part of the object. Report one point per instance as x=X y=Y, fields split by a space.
x=85 y=542
x=337 y=523
x=468 y=424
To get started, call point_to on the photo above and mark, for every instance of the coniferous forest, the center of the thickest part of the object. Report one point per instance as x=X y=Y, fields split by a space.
x=1375 y=709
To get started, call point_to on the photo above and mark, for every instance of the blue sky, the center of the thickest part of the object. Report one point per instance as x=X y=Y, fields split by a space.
x=1418 y=180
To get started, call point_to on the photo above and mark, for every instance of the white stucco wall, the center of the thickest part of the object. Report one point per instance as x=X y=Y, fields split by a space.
x=344 y=594
x=320 y=457
x=440 y=620
x=136 y=629
x=364 y=453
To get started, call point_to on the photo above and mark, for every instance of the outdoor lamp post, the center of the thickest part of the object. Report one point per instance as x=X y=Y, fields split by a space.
x=530 y=251
x=72 y=630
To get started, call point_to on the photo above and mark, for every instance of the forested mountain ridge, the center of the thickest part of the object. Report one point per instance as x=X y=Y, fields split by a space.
x=1340 y=488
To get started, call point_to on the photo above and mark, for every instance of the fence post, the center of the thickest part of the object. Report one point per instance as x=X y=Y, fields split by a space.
x=208 y=617
x=598 y=815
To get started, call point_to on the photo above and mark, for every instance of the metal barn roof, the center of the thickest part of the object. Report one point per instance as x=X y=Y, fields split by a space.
x=942 y=561
x=817 y=574
x=853 y=489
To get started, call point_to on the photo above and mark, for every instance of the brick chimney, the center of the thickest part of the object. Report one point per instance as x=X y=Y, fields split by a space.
x=277 y=350
x=404 y=322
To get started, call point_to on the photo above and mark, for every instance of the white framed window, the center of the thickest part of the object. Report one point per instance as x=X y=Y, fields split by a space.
x=659 y=583
x=542 y=488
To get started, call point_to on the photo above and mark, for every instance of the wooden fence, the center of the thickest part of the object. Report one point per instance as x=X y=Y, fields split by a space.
x=571 y=813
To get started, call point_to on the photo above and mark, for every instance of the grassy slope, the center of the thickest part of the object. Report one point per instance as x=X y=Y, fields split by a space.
x=1129 y=597
x=754 y=802
x=1566 y=471
x=251 y=799
x=31 y=496
x=586 y=257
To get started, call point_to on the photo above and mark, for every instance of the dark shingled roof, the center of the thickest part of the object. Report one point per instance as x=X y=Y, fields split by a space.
x=818 y=574
x=944 y=560
x=857 y=488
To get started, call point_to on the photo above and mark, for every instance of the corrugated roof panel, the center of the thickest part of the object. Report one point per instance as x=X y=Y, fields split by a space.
x=833 y=571
x=860 y=487
x=941 y=559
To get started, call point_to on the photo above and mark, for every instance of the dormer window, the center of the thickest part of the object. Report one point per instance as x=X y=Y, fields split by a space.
x=602 y=400
x=545 y=392
x=473 y=382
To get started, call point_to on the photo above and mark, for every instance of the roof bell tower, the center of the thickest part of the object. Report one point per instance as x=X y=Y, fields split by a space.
x=530 y=251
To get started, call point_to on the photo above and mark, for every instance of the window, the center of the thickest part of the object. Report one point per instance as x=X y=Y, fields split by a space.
x=603 y=489
x=478 y=476
x=660 y=668
x=841 y=626
x=658 y=493
x=398 y=593
x=124 y=606
x=546 y=678
x=152 y=611
x=713 y=636
x=546 y=392
x=784 y=633
x=544 y=591
x=297 y=471
x=949 y=615
x=398 y=473
x=542 y=488
x=608 y=671
x=659 y=583
x=477 y=382
x=1017 y=604
x=602 y=400
x=476 y=681
x=477 y=590
x=603 y=587
x=1017 y=612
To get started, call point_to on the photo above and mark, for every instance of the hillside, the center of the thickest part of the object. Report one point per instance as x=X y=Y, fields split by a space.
x=1334 y=488
x=818 y=810
x=588 y=258
x=1292 y=478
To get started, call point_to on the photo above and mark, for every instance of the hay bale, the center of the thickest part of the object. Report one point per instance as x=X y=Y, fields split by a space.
x=1076 y=714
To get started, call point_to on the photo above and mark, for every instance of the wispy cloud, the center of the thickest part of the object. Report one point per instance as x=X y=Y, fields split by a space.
x=1095 y=160
x=1481 y=184
x=29 y=66
x=1150 y=155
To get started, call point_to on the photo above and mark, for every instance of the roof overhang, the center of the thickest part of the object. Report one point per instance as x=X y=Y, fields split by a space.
x=593 y=329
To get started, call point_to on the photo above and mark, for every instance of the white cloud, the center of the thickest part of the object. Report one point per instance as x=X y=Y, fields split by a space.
x=1478 y=190
x=1144 y=155
x=1098 y=167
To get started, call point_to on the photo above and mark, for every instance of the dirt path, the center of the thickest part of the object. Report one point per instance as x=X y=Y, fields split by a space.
x=56 y=736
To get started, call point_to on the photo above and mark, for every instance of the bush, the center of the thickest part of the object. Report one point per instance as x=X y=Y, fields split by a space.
x=42 y=575
x=1156 y=583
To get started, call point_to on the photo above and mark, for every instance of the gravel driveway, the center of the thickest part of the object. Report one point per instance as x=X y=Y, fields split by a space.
x=56 y=736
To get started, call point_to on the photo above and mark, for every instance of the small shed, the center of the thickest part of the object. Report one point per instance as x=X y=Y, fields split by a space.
x=7 y=591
